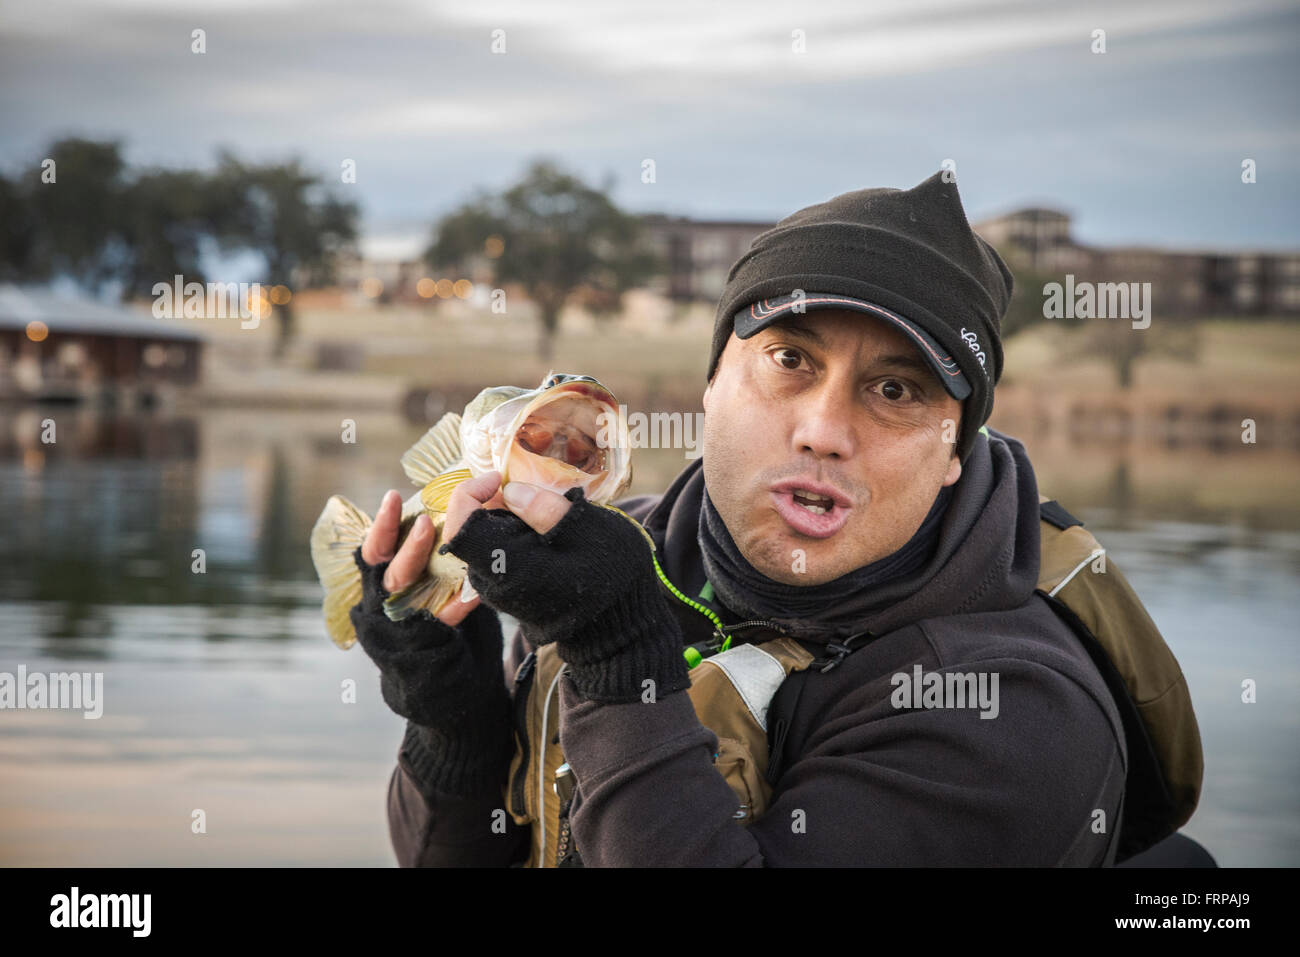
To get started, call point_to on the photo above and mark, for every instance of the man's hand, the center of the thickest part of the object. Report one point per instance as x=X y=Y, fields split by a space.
x=443 y=674
x=412 y=558
x=582 y=576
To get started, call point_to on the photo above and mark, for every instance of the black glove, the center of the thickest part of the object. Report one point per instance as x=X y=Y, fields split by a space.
x=449 y=683
x=589 y=584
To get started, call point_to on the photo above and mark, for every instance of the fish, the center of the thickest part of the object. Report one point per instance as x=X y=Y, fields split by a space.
x=563 y=434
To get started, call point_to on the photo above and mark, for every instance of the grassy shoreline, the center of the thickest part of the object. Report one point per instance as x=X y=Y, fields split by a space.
x=1243 y=369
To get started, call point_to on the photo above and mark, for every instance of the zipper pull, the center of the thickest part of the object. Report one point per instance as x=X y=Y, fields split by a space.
x=839 y=651
x=525 y=667
x=564 y=786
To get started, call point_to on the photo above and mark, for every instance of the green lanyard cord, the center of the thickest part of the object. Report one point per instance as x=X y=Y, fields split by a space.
x=693 y=657
x=692 y=654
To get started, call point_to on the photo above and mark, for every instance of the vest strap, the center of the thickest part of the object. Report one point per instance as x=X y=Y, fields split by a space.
x=1054 y=513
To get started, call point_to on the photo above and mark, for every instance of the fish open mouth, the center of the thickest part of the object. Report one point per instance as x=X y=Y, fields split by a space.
x=564 y=425
x=545 y=436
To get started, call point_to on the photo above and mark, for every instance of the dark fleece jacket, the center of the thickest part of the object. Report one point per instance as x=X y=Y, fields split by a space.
x=865 y=783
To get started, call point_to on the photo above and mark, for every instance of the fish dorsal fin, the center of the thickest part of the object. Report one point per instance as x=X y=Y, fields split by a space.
x=436 y=452
x=436 y=494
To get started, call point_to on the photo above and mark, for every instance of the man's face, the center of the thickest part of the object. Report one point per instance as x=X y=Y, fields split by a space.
x=841 y=401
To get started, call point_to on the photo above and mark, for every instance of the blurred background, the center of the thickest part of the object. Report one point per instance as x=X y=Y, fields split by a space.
x=436 y=197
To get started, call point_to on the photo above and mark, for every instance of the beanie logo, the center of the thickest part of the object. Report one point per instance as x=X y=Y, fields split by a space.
x=973 y=344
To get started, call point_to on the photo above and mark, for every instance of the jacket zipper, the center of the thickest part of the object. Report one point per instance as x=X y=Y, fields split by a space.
x=566 y=852
x=754 y=624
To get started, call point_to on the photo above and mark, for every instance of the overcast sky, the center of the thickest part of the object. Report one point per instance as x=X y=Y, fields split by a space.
x=1143 y=144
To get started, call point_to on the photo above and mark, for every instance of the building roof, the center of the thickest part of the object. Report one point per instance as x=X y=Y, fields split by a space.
x=1029 y=212
x=66 y=313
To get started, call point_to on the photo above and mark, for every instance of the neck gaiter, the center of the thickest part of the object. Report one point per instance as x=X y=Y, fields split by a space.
x=746 y=591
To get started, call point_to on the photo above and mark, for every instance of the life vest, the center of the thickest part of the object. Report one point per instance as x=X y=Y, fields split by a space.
x=746 y=693
x=1088 y=591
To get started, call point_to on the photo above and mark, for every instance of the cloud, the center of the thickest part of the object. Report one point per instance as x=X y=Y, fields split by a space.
x=736 y=122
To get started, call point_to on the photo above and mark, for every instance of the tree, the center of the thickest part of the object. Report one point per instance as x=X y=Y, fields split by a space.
x=167 y=215
x=1120 y=345
x=75 y=222
x=17 y=232
x=557 y=235
x=1026 y=306
x=92 y=219
x=283 y=213
x=99 y=221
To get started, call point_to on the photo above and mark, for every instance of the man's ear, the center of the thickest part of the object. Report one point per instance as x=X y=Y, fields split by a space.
x=717 y=368
x=954 y=469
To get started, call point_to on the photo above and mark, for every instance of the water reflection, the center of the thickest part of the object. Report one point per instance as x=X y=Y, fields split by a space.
x=223 y=692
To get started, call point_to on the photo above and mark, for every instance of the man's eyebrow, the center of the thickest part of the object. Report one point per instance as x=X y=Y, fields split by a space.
x=914 y=363
x=922 y=370
x=792 y=328
x=908 y=361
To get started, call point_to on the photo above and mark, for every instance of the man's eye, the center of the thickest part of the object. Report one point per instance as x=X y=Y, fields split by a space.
x=896 y=391
x=788 y=358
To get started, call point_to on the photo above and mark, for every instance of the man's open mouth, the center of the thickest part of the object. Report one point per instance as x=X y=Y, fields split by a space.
x=817 y=504
x=816 y=514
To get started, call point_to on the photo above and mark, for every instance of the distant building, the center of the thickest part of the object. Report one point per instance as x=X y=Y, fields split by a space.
x=409 y=280
x=1189 y=284
x=61 y=347
x=380 y=280
x=699 y=253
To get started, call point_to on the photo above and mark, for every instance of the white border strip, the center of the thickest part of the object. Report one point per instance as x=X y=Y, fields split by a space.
x=541 y=767
x=1078 y=568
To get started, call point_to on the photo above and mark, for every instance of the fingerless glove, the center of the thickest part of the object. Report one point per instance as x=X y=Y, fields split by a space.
x=589 y=584
x=449 y=683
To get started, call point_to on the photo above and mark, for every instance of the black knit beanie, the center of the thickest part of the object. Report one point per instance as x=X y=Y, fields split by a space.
x=912 y=252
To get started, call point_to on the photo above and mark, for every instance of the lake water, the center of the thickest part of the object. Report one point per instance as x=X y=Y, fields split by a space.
x=222 y=693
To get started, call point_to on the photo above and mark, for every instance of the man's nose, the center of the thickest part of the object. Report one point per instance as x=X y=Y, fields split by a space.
x=824 y=423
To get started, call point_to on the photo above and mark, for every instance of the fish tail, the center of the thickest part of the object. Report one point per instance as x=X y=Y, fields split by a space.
x=334 y=538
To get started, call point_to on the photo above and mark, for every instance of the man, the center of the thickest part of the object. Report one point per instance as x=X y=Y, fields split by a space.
x=848 y=497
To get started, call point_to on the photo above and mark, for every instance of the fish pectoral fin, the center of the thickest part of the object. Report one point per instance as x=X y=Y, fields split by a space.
x=431 y=591
x=437 y=493
x=436 y=451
